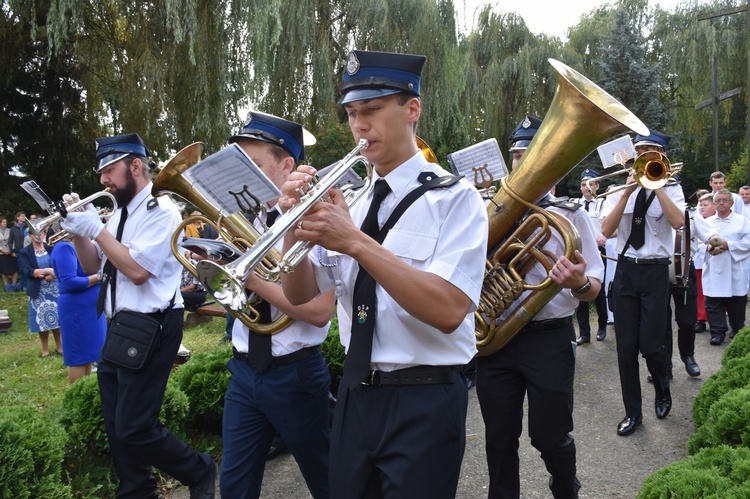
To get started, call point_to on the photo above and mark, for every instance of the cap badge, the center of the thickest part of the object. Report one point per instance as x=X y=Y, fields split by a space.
x=352 y=64
x=248 y=120
x=526 y=122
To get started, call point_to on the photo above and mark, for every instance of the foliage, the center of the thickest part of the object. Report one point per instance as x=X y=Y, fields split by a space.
x=333 y=353
x=714 y=473
x=81 y=416
x=738 y=348
x=726 y=423
x=734 y=375
x=31 y=450
x=205 y=380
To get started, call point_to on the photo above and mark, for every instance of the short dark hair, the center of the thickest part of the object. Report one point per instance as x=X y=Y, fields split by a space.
x=717 y=175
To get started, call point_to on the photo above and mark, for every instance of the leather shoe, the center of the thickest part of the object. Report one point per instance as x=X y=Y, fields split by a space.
x=663 y=404
x=583 y=339
x=716 y=340
x=628 y=425
x=278 y=447
x=700 y=327
x=206 y=488
x=691 y=366
x=601 y=334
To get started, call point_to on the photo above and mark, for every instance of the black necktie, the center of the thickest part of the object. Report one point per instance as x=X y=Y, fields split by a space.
x=259 y=345
x=110 y=271
x=364 y=303
x=638 y=228
x=586 y=205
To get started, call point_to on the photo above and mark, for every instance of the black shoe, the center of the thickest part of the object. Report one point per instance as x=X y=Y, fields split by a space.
x=650 y=379
x=700 y=327
x=663 y=404
x=717 y=340
x=583 y=339
x=226 y=338
x=628 y=425
x=691 y=366
x=206 y=488
x=731 y=334
x=278 y=447
x=601 y=334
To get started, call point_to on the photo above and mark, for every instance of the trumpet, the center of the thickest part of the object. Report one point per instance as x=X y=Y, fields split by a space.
x=226 y=283
x=651 y=170
x=40 y=226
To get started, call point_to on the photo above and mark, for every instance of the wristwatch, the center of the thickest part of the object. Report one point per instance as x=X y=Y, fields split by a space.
x=583 y=288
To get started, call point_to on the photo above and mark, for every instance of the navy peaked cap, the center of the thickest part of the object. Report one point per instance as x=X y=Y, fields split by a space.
x=368 y=75
x=275 y=130
x=657 y=139
x=112 y=149
x=524 y=132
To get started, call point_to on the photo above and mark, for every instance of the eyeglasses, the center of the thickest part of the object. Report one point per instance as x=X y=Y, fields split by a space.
x=722 y=200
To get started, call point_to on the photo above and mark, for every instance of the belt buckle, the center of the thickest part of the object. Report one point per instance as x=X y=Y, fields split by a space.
x=636 y=261
x=370 y=379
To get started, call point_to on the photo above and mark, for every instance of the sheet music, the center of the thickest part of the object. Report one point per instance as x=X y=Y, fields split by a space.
x=232 y=181
x=616 y=152
x=39 y=196
x=480 y=163
x=350 y=177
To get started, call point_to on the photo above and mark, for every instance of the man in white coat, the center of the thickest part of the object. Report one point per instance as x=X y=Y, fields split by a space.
x=725 y=275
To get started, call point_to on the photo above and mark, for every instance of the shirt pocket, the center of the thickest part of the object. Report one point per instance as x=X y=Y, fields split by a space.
x=410 y=246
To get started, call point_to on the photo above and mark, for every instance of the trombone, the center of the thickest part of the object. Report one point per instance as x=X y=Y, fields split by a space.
x=651 y=170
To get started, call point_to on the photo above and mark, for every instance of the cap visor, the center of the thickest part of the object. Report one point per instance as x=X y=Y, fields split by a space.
x=366 y=94
x=109 y=159
x=647 y=143
x=520 y=144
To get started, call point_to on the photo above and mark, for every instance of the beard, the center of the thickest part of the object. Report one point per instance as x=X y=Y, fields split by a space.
x=127 y=193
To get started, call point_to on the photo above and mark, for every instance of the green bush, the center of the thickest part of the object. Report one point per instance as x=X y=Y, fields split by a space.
x=735 y=374
x=31 y=453
x=204 y=380
x=739 y=347
x=334 y=353
x=81 y=414
x=717 y=472
x=726 y=424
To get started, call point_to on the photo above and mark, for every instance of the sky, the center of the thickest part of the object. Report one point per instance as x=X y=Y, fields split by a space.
x=551 y=17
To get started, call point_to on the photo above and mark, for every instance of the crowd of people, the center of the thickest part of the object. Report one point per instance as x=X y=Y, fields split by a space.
x=404 y=270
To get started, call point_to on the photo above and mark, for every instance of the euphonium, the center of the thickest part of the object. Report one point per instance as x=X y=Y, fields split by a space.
x=581 y=117
x=234 y=229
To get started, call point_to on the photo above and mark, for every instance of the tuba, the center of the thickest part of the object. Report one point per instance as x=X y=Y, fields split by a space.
x=234 y=229
x=581 y=117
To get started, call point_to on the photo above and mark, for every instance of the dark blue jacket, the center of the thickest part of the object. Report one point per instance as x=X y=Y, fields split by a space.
x=27 y=262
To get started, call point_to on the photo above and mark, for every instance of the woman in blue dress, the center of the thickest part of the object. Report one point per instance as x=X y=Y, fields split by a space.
x=82 y=331
x=41 y=289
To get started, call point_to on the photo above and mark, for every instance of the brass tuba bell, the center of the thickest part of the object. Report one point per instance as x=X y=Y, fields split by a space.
x=234 y=229
x=581 y=117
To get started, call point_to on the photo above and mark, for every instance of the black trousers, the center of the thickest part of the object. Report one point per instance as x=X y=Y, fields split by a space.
x=600 y=303
x=539 y=365
x=137 y=439
x=641 y=298
x=735 y=313
x=686 y=315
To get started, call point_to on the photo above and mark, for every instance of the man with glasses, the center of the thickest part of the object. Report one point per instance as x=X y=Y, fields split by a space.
x=725 y=275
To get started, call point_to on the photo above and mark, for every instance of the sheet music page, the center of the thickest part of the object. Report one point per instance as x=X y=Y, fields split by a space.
x=232 y=181
x=480 y=163
x=616 y=152
x=41 y=198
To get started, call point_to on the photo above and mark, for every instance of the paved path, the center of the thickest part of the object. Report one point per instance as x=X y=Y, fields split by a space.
x=609 y=466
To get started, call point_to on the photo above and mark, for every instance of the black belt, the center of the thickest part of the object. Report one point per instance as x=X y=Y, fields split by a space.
x=417 y=375
x=281 y=360
x=646 y=261
x=548 y=324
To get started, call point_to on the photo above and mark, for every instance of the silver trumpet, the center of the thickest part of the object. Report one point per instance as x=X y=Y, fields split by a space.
x=227 y=283
x=41 y=225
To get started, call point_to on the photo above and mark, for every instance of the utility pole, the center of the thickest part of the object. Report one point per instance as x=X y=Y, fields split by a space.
x=728 y=12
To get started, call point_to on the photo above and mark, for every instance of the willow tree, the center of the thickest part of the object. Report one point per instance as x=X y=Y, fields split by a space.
x=686 y=47
x=508 y=75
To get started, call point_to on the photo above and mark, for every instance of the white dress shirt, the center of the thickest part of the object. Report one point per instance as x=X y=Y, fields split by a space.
x=659 y=233
x=147 y=234
x=445 y=233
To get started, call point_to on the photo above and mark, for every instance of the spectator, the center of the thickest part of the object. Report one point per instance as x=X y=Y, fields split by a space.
x=17 y=233
x=8 y=262
x=42 y=292
x=82 y=331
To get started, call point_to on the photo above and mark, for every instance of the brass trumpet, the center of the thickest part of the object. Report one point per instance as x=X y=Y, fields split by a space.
x=41 y=225
x=226 y=283
x=651 y=170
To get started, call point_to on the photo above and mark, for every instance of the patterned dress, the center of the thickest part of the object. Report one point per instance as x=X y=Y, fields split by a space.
x=43 y=307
